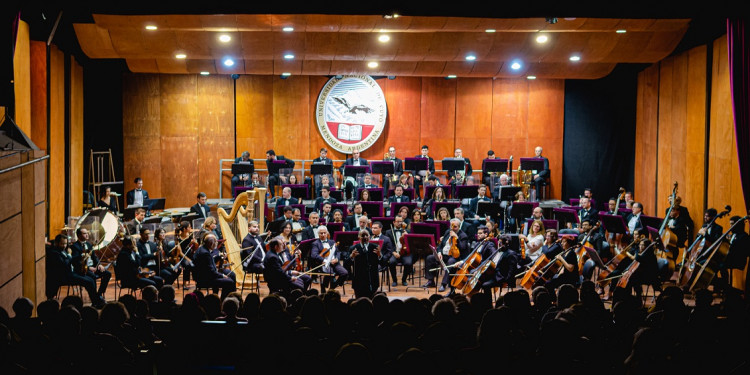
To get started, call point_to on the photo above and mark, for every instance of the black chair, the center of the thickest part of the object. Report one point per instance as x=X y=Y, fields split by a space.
x=256 y=277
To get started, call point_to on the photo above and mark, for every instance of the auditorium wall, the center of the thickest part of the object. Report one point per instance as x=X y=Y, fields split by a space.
x=685 y=134
x=167 y=118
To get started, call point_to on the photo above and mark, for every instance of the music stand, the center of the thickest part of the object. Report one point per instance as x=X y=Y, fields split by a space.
x=337 y=194
x=429 y=189
x=495 y=165
x=522 y=210
x=491 y=209
x=298 y=190
x=305 y=247
x=243 y=168
x=436 y=206
x=565 y=215
x=416 y=164
x=532 y=164
x=240 y=189
x=613 y=223
x=354 y=170
x=466 y=191
x=594 y=256
x=382 y=167
x=373 y=209
x=154 y=204
x=624 y=212
x=156 y=219
x=386 y=221
x=444 y=225
x=273 y=168
x=346 y=240
x=419 y=246
x=655 y=236
x=335 y=227
x=321 y=169
x=432 y=228
x=508 y=193
x=275 y=227
x=396 y=206
x=453 y=164
x=376 y=194
x=651 y=221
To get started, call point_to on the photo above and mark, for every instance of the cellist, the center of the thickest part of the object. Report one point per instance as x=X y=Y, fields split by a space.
x=569 y=262
x=483 y=249
x=505 y=268
x=452 y=239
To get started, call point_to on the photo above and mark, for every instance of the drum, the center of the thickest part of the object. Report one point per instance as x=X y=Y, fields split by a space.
x=105 y=231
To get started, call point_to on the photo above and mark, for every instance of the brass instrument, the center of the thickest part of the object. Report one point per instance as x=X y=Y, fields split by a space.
x=392 y=178
x=525 y=180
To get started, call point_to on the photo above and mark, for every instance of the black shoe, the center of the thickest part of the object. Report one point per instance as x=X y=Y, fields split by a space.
x=394 y=284
x=442 y=288
x=404 y=283
x=429 y=284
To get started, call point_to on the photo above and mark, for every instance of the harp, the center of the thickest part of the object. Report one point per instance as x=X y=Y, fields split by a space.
x=234 y=225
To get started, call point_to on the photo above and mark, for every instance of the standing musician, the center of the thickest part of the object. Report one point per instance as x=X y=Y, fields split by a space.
x=137 y=196
x=166 y=268
x=739 y=250
x=60 y=271
x=350 y=182
x=710 y=231
x=129 y=271
x=87 y=262
x=311 y=231
x=684 y=214
x=273 y=178
x=253 y=249
x=569 y=261
x=386 y=249
x=394 y=235
x=459 y=177
x=331 y=262
x=277 y=278
x=206 y=273
x=682 y=227
x=453 y=237
x=398 y=168
x=366 y=257
x=420 y=176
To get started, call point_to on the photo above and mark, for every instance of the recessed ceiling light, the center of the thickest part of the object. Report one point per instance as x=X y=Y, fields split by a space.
x=542 y=38
x=451 y=76
x=575 y=58
x=372 y=64
x=395 y=15
x=224 y=38
x=621 y=31
x=489 y=31
x=151 y=27
x=384 y=38
x=228 y=62
x=180 y=56
x=530 y=77
x=288 y=29
x=288 y=56
x=286 y=74
x=515 y=65
x=470 y=57
x=205 y=73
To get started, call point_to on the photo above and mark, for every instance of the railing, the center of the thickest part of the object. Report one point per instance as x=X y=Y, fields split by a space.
x=45 y=157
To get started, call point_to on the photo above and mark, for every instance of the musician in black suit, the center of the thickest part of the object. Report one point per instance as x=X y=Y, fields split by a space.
x=739 y=250
x=633 y=221
x=136 y=196
x=486 y=177
x=205 y=270
x=201 y=208
x=325 y=160
x=324 y=197
x=474 y=202
x=684 y=215
x=466 y=226
x=398 y=168
x=443 y=253
x=353 y=219
x=710 y=231
x=128 y=268
x=394 y=234
x=332 y=261
x=366 y=258
x=421 y=176
x=286 y=198
x=311 y=230
x=367 y=183
x=273 y=178
x=59 y=272
x=542 y=175
x=279 y=280
x=398 y=195
x=94 y=270
x=386 y=249
x=244 y=178
x=350 y=182
x=462 y=174
x=134 y=226
x=253 y=249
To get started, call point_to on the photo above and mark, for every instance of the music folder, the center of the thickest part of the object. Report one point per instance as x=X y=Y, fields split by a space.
x=613 y=223
x=594 y=256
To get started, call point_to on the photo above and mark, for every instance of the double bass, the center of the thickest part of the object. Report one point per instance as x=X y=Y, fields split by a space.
x=613 y=237
x=713 y=259
x=669 y=238
x=696 y=248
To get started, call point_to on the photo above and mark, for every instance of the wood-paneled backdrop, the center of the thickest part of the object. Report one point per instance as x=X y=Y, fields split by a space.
x=168 y=117
x=671 y=137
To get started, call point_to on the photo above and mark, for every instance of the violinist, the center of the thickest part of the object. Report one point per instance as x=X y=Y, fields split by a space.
x=187 y=246
x=166 y=270
x=291 y=255
x=493 y=228
x=454 y=238
x=366 y=257
x=60 y=272
x=286 y=234
x=416 y=217
x=395 y=235
x=253 y=249
x=206 y=273
x=324 y=252
x=82 y=252
x=569 y=262
x=274 y=274
x=129 y=271
x=533 y=241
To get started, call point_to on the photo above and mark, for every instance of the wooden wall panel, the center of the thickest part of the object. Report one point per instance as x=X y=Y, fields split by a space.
x=438 y=117
x=510 y=116
x=9 y=292
x=22 y=78
x=39 y=94
x=693 y=190
x=142 y=132
x=10 y=186
x=664 y=151
x=646 y=136
x=254 y=115
x=546 y=106
x=291 y=116
x=76 y=139
x=10 y=235
x=316 y=143
x=403 y=96
x=216 y=130
x=179 y=110
x=57 y=166
x=474 y=118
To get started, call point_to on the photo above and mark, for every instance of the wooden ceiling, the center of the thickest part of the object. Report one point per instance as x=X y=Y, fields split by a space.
x=419 y=45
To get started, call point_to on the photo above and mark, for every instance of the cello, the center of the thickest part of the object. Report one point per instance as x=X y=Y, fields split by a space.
x=485 y=268
x=695 y=249
x=632 y=267
x=470 y=263
x=553 y=267
x=614 y=263
x=613 y=237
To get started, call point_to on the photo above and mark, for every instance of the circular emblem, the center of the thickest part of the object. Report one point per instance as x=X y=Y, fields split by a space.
x=351 y=113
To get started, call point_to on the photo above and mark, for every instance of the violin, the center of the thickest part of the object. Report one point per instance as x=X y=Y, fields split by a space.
x=295 y=263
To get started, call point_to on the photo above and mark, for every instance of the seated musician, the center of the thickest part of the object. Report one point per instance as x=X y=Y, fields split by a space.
x=206 y=274
x=504 y=181
x=331 y=263
x=416 y=218
x=364 y=195
x=364 y=224
x=200 y=207
x=458 y=177
x=134 y=226
x=682 y=227
x=311 y=231
x=338 y=217
x=387 y=248
x=353 y=219
x=596 y=240
x=129 y=271
x=443 y=214
x=403 y=181
x=106 y=200
x=454 y=234
x=324 y=196
x=366 y=258
x=739 y=250
x=286 y=198
x=255 y=181
x=403 y=211
x=533 y=241
x=82 y=251
x=209 y=226
x=368 y=182
x=137 y=196
x=286 y=234
x=287 y=212
x=505 y=268
x=326 y=216
x=394 y=235
x=647 y=272
x=167 y=271
x=349 y=182
x=587 y=212
x=569 y=265
x=253 y=249
x=551 y=245
x=187 y=246
x=325 y=182
x=438 y=195
x=466 y=227
x=220 y=257
x=147 y=250
x=484 y=247
x=242 y=179
x=474 y=202
x=60 y=272
x=398 y=195
x=493 y=228
x=542 y=176
x=277 y=278
x=298 y=225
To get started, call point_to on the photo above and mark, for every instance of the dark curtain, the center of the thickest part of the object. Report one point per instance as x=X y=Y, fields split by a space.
x=599 y=136
x=739 y=80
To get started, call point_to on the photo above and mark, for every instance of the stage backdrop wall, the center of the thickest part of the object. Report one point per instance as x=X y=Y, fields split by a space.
x=683 y=135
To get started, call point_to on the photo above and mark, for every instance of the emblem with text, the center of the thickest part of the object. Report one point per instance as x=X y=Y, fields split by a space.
x=351 y=113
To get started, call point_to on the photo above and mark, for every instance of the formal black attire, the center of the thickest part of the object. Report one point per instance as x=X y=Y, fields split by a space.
x=203 y=210
x=128 y=268
x=147 y=251
x=236 y=178
x=338 y=270
x=591 y=214
x=278 y=280
x=566 y=277
x=419 y=179
x=130 y=196
x=470 y=230
x=647 y=272
x=309 y=232
x=282 y=202
x=398 y=198
x=406 y=260
x=134 y=227
x=256 y=246
x=78 y=249
x=636 y=219
x=467 y=169
x=353 y=220
x=206 y=274
x=543 y=177
x=60 y=272
x=273 y=178
x=505 y=271
x=112 y=206
x=320 y=201
x=431 y=262
x=474 y=205
x=365 y=280
x=348 y=185
x=398 y=169
x=317 y=186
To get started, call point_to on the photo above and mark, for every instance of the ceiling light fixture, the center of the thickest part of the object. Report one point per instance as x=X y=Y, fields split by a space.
x=205 y=73
x=224 y=38
x=621 y=31
x=530 y=77
x=490 y=31
x=180 y=56
x=575 y=58
x=286 y=74
x=151 y=27
x=470 y=57
x=541 y=38
x=288 y=29
x=288 y=56
x=515 y=65
x=384 y=38
x=451 y=76
x=372 y=64
x=228 y=62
